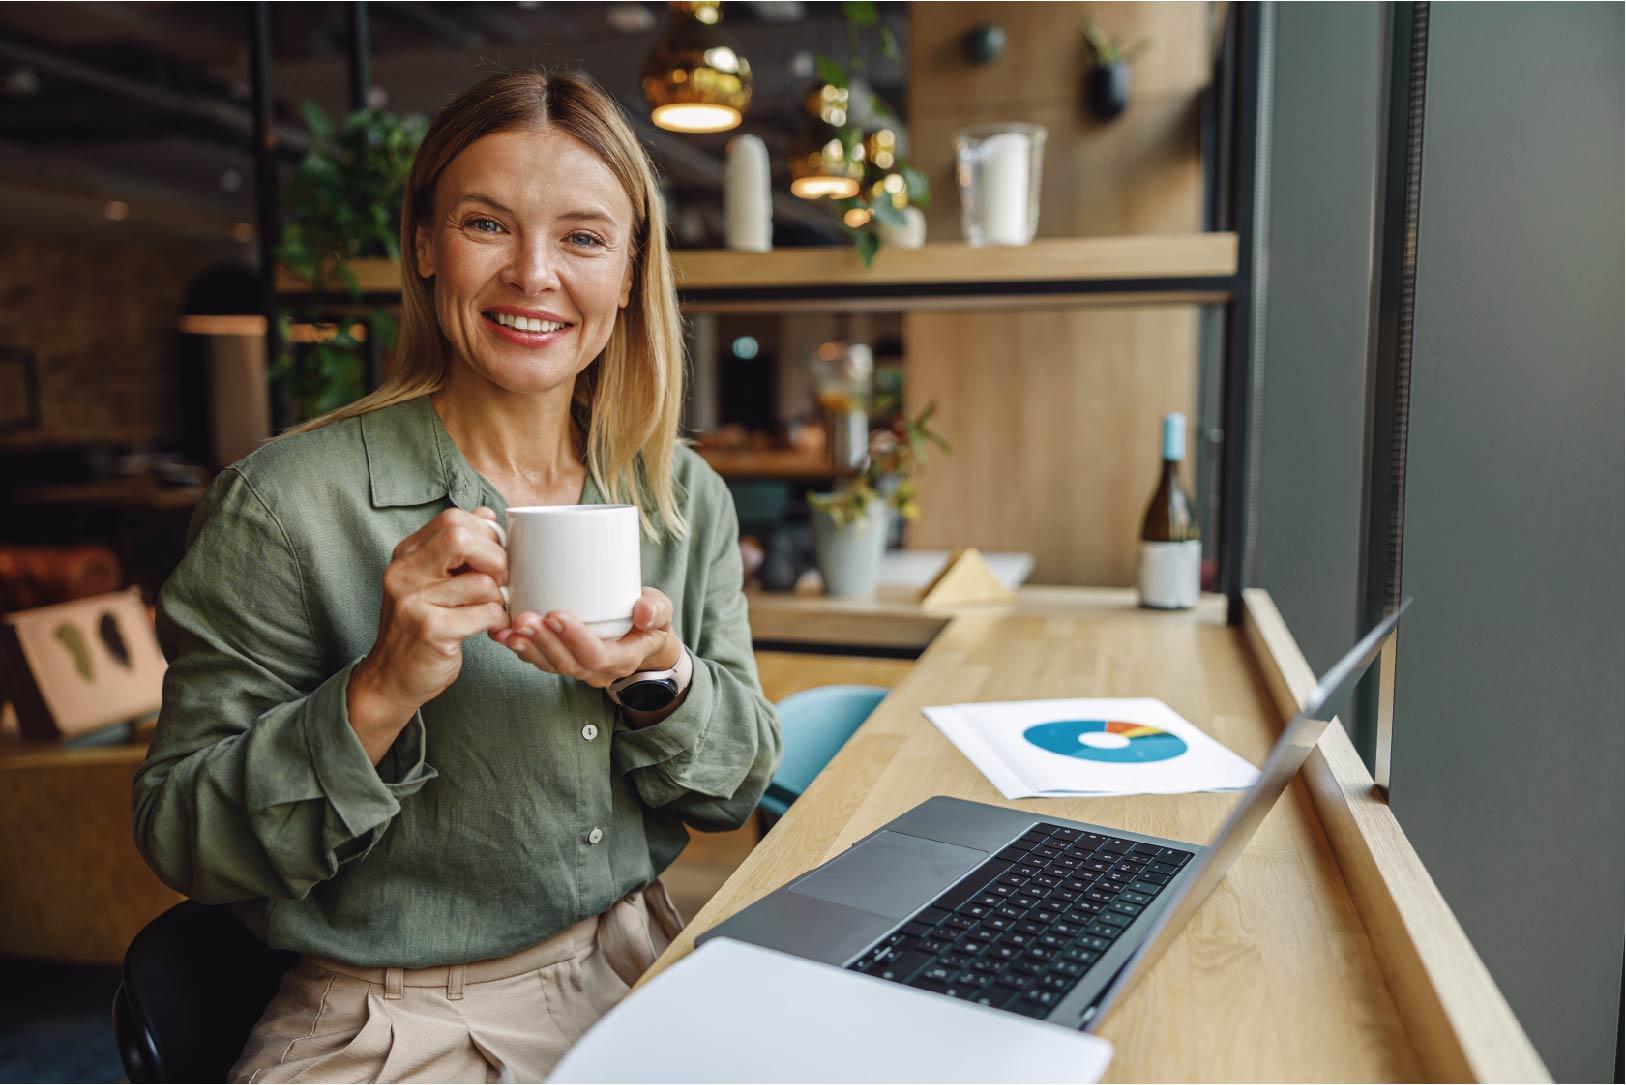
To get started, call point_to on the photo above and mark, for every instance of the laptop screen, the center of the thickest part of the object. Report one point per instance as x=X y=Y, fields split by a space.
x=1284 y=760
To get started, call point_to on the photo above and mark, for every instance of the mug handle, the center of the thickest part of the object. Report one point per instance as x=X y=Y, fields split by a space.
x=502 y=541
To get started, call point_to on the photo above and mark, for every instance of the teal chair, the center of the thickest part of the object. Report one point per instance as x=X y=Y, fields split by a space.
x=817 y=723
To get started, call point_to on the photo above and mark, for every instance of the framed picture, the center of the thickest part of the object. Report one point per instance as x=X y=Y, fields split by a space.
x=19 y=389
x=77 y=666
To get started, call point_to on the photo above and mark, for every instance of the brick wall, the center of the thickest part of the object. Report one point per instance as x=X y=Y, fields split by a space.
x=99 y=315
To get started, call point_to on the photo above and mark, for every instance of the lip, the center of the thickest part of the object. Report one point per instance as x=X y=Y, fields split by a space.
x=526 y=339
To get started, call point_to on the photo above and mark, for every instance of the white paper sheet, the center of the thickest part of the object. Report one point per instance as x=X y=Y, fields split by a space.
x=1090 y=746
x=734 y=1012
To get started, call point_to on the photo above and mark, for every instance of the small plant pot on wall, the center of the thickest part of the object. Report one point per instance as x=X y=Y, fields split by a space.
x=849 y=553
x=1106 y=71
x=1106 y=89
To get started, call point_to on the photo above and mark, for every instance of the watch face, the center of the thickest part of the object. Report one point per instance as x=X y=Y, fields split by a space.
x=650 y=696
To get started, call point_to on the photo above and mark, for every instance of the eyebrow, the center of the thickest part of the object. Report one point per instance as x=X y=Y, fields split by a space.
x=584 y=215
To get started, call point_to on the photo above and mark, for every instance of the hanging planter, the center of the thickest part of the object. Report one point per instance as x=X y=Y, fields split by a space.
x=1106 y=89
x=1107 y=76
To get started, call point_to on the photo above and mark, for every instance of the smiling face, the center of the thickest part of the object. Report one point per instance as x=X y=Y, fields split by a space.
x=530 y=244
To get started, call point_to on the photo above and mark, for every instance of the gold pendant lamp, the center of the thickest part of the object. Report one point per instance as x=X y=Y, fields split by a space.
x=821 y=163
x=693 y=78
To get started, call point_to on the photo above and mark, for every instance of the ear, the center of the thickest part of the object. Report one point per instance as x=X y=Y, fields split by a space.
x=626 y=285
x=424 y=250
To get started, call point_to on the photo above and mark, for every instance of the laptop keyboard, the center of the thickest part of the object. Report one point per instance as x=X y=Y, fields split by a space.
x=1021 y=930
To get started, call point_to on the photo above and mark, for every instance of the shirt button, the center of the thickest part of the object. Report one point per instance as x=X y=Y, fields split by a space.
x=595 y=836
x=590 y=732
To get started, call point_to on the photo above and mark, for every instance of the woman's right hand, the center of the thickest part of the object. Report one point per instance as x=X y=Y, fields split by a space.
x=442 y=586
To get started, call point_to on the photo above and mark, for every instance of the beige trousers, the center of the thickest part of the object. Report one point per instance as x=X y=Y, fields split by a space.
x=508 y=1019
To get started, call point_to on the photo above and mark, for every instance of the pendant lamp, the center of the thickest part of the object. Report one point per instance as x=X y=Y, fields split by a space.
x=693 y=78
x=820 y=163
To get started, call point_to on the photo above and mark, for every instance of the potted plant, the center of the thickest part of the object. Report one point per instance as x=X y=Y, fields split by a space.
x=343 y=203
x=889 y=206
x=1106 y=81
x=851 y=523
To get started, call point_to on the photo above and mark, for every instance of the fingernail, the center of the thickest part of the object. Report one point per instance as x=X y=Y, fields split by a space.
x=556 y=625
x=527 y=630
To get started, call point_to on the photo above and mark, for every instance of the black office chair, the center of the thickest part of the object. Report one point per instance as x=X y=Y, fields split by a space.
x=195 y=980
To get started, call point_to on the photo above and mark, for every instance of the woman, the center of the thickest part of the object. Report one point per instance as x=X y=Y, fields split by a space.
x=463 y=834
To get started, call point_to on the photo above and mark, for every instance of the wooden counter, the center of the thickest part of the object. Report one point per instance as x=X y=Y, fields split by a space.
x=1326 y=954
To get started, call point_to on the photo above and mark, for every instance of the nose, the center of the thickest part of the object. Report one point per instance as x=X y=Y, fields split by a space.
x=532 y=271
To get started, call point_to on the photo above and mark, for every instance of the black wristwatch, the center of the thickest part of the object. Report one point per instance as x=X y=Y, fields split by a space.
x=651 y=691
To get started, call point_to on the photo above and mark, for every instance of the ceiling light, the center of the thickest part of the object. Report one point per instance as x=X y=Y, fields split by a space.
x=629 y=18
x=745 y=348
x=693 y=77
x=778 y=11
x=21 y=82
x=115 y=210
x=820 y=164
x=242 y=232
x=855 y=217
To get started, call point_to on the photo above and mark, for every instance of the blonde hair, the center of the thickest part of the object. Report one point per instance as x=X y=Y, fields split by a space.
x=626 y=403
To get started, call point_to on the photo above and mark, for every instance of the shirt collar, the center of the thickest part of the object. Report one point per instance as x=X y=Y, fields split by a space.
x=412 y=460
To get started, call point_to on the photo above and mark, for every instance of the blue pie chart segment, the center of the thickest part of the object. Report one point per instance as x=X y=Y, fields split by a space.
x=1134 y=743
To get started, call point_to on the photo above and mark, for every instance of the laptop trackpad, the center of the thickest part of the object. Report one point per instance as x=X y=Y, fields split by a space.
x=890 y=874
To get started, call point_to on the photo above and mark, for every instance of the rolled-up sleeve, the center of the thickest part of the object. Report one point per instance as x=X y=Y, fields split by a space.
x=256 y=786
x=710 y=760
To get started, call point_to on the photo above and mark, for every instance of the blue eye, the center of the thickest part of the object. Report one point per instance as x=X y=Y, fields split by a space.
x=591 y=239
x=479 y=225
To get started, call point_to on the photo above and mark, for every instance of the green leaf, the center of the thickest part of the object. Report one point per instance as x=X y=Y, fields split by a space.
x=915 y=183
x=350 y=282
x=860 y=12
x=830 y=71
x=868 y=242
x=851 y=140
x=317 y=121
x=889 y=43
x=889 y=213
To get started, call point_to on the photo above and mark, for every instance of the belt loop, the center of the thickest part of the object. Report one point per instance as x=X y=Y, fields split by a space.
x=394 y=980
x=454 y=982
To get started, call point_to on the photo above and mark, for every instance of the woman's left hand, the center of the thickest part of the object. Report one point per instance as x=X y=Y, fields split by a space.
x=558 y=642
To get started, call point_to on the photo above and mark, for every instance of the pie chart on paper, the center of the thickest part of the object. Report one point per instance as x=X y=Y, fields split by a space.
x=1105 y=740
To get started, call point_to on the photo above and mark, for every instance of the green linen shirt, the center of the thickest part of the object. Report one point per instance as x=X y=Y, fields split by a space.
x=514 y=804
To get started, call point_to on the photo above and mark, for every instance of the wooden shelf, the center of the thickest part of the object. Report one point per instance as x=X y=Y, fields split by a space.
x=1161 y=269
x=779 y=463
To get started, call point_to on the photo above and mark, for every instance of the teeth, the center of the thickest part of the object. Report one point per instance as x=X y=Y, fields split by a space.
x=527 y=323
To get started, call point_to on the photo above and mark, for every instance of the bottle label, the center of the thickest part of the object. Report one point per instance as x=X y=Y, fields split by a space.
x=1170 y=573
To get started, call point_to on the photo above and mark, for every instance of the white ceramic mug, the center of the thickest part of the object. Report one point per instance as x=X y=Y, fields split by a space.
x=582 y=559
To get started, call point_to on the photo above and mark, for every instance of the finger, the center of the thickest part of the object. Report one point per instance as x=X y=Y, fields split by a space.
x=461 y=623
x=561 y=659
x=530 y=652
x=527 y=622
x=592 y=651
x=465 y=589
x=652 y=611
x=462 y=543
x=435 y=526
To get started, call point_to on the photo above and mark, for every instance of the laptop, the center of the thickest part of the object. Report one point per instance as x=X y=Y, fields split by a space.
x=1039 y=916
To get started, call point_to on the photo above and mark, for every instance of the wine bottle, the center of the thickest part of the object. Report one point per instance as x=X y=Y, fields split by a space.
x=1171 y=554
